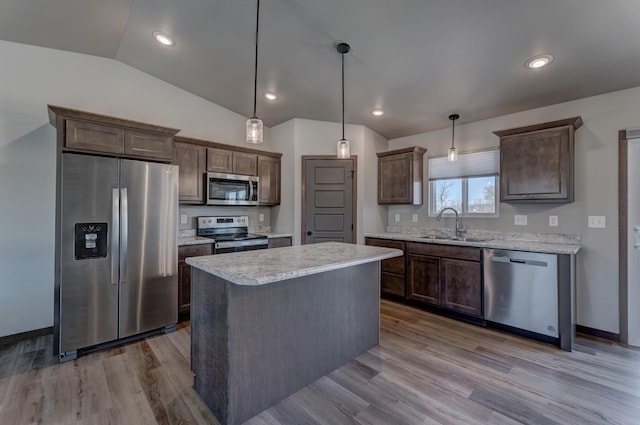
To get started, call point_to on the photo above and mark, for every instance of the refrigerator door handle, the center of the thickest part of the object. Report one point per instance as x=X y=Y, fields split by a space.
x=115 y=235
x=124 y=234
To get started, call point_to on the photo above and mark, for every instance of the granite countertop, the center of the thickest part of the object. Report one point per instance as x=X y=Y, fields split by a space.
x=198 y=240
x=264 y=266
x=517 y=245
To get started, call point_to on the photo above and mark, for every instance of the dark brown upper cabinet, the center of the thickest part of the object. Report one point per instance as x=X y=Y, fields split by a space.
x=537 y=162
x=268 y=180
x=87 y=132
x=400 y=176
x=195 y=157
x=191 y=159
x=232 y=162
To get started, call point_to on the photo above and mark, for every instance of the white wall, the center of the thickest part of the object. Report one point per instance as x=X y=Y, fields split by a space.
x=33 y=77
x=299 y=137
x=596 y=191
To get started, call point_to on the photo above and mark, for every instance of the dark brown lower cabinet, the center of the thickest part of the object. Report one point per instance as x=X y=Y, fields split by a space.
x=424 y=279
x=462 y=285
x=184 y=273
x=392 y=275
x=446 y=276
x=279 y=242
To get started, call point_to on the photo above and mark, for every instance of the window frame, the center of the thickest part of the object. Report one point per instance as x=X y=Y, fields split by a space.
x=465 y=197
x=468 y=168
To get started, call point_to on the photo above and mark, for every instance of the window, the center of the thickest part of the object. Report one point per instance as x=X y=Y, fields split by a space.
x=469 y=185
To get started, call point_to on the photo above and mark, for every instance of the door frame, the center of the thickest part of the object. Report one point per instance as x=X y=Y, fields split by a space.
x=354 y=211
x=624 y=137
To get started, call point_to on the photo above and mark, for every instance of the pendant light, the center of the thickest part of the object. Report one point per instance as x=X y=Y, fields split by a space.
x=343 y=144
x=254 y=124
x=453 y=153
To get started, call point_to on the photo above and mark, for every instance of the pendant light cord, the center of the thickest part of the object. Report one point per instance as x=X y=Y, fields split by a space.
x=255 y=73
x=453 y=131
x=342 y=96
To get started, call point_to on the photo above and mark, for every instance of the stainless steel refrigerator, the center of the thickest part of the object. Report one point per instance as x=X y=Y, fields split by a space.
x=116 y=251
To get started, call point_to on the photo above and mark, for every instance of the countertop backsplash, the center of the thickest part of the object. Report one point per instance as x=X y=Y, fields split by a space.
x=490 y=234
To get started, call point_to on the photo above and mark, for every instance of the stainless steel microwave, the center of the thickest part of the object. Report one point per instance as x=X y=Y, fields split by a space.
x=231 y=189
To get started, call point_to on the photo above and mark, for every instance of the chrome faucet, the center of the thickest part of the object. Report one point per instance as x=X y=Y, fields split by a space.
x=458 y=223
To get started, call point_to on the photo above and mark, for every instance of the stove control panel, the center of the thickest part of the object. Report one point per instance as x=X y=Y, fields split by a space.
x=223 y=222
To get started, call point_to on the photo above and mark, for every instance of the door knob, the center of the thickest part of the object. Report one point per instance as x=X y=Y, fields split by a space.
x=309 y=233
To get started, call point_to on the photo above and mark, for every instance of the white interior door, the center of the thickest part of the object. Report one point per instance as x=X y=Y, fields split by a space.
x=633 y=242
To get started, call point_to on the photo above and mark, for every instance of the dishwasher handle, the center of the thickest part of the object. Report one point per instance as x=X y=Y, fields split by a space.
x=501 y=259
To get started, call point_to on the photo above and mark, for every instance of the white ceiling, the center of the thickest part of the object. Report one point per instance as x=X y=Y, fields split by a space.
x=419 y=60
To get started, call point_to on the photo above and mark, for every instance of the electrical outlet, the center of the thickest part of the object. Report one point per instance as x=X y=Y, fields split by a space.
x=520 y=220
x=553 y=220
x=183 y=219
x=396 y=217
x=261 y=218
x=598 y=221
x=414 y=218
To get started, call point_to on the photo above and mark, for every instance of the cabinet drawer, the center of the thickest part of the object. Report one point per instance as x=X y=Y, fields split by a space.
x=391 y=265
x=194 y=250
x=93 y=137
x=392 y=284
x=148 y=145
x=447 y=251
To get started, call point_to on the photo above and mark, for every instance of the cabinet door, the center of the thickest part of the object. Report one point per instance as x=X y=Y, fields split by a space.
x=94 y=137
x=184 y=287
x=279 y=242
x=395 y=179
x=537 y=166
x=462 y=286
x=269 y=180
x=184 y=273
x=245 y=163
x=148 y=145
x=392 y=284
x=423 y=279
x=219 y=160
x=192 y=162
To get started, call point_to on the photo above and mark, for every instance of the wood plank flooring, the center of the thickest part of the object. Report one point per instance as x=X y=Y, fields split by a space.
x=427 y=370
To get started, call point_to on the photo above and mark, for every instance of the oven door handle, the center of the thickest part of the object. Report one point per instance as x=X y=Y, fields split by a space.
x=236 y=244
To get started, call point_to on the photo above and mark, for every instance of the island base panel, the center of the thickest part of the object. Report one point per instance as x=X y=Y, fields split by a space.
x=252 y=346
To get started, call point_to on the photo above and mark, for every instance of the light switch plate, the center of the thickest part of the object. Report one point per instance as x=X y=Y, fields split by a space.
x=261 y=218
x=597 y=221
x=520 y=220
x=183 y=219
x=396 y=217
x=553 y=220
x=414 y=218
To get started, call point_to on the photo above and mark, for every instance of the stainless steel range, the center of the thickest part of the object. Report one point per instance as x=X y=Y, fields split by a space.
x=230 y=234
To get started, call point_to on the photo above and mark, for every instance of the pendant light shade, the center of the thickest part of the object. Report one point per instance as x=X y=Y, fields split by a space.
x=453 y=153
x=254 y=124
x=344 y=150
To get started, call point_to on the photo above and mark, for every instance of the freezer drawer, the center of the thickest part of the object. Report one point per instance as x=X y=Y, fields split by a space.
x=521 y=290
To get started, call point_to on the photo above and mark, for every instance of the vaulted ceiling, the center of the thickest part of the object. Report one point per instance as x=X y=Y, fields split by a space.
x=418 y=60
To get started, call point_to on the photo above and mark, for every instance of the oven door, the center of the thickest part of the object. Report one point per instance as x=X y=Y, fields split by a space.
x=231 y=189
x=239 y=246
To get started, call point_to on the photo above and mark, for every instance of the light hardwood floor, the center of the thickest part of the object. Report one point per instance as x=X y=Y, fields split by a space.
x=427 y=370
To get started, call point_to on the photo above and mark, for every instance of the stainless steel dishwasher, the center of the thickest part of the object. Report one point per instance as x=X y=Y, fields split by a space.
x=521 y=290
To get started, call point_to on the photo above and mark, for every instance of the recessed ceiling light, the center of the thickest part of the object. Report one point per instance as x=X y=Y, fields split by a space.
x=163 y=39
x=377 y=112
x=270 y=96
x=538 y=61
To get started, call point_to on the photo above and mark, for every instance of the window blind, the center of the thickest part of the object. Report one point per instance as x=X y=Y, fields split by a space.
x=479 y=163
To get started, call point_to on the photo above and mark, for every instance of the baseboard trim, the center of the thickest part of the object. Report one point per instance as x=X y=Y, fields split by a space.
x=585 y=330
x=12 y=339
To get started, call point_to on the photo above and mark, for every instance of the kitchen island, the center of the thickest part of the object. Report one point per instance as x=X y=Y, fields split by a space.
x=266 y=323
